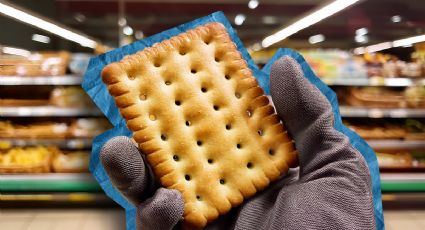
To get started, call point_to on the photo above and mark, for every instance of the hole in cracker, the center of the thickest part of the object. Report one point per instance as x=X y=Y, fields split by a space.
x=188 y=123
x=260 y=132
x=222 y=181
x=249 y=165
x=227 y=77
x=181 y=52
x=198 y=197
x=131 y=77
x=152 y=117
x=216 y=108
x=178 y=103
x=238 y=146
x=193 y=71
x=237 y=95
x=249 y=112
x=168 y=82
x=199 y=143
x=156 y=64
x=187 y=177
x=210 y=161
x=271 y=152
x=216 y=59
x=142 y=97
x=176 y=158
x=228 y=126
x=163 y=137
x=203 y=89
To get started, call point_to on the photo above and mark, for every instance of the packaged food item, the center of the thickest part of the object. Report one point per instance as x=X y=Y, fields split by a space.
x=26 y=160
x=402 y=159
x=72 y=96
x=88 y=127
x=34 y=130
x=71 y=162
x=36 y=64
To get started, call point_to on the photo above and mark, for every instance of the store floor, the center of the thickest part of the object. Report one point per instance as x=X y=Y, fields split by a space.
x=112 y=219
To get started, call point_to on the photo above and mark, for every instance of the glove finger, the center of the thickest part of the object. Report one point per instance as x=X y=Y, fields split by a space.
x=126 y=168
x=162 y=211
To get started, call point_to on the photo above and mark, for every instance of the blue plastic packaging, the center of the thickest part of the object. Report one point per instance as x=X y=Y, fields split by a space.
x=97 y=90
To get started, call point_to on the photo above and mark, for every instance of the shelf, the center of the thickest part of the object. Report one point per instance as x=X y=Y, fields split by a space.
x=73 y=197
x=349 y=111
x=72 y=143
x=396 y=144
x=374 y=81
x=42 y=80
x=42 y=111
x=51 y=182
x=403 y=182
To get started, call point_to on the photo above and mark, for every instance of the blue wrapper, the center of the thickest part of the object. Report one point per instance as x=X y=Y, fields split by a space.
x=97 y=90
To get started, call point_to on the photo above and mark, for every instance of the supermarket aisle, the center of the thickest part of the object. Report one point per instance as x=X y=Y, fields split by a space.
x=112 y=219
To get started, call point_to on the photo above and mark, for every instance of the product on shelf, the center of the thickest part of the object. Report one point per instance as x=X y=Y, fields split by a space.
x=23 y=102
x=386 y=65
x=26 y=160
x=71 y=162
x=400 y=159
x=415 y=129
x=383 y=97
x=88 y=127
x=70 y=97
x=36 y=64
x=410 y=129
x=42 y=159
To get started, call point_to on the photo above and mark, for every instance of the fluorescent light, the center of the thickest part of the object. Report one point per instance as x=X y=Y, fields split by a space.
x=80 y=17
x=40 y=38
x=16 y=51
x=45 y=25
x=373 y=48
x=409 y=41
x=396 y=18
x=239 y=19
x=362 y=31
x=122 y=22
x=127 y=30
x=269 y=20
x=361 y=38
x=252 y=4
x=316 y=38
x=313 y=18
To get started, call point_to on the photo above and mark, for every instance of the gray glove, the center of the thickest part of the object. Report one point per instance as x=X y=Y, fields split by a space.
x=330 y=190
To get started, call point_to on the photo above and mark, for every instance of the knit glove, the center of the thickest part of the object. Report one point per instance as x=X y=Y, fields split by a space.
x=331 y=189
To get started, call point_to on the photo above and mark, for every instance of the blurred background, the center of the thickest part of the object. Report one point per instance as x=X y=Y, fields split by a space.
x=371 y=52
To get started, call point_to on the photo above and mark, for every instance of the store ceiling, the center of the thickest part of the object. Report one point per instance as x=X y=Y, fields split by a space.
x=99 y=18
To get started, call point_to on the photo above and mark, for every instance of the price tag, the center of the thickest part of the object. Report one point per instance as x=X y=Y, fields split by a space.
x=377 y=81
x=375 y=113
x=399 y=113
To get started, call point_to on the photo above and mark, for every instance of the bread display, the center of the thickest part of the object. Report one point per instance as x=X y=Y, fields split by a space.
x=70 y=97
x=202 y=120
x=26 y=160
x=71 y=162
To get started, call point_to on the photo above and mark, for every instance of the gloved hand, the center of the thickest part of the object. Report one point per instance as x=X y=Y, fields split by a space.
x=331 y=189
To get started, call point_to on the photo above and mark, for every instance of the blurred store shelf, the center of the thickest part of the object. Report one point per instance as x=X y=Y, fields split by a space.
x=41 y=111
x=403 y=182
x=396 y=144
x=49 y=182
x=42 y=80
x=374 y=81
x=349 y=111
x=69 y=143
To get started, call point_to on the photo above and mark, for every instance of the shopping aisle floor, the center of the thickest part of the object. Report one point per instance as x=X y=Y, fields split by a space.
x=113 y=219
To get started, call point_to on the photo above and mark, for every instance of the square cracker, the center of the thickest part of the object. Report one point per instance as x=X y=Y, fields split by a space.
x=202 y=120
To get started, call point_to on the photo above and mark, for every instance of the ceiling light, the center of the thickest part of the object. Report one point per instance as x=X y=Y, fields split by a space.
x=16 y=51
x=122 y=22
x=252 y=4
x=269 y=20
x=362 y=31
x=361 y=38
x=45 y=25
x=127 y=30
x=316 y=39
x=40 y=38
x=373 y=48
x=79 y=17
x=409 y=41
x=239 y=19
x=396 y=18
x=316 y=16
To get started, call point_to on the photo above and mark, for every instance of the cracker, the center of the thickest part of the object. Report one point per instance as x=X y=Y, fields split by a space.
x=202 y=120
